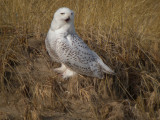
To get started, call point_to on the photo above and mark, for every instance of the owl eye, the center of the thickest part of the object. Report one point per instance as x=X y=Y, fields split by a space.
x=62 y=13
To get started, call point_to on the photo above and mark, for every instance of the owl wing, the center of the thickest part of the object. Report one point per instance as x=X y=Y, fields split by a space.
x=75 y=54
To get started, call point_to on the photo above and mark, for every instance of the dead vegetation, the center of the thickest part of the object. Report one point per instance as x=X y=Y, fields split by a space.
x=124 y=33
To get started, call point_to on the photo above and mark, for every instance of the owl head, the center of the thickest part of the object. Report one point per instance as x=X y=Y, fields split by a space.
x=64 y=15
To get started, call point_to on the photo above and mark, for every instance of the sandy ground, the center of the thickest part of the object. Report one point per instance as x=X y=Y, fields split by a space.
x=33 y=91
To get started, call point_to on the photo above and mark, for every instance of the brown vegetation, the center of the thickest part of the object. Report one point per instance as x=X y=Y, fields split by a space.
x=126 y=34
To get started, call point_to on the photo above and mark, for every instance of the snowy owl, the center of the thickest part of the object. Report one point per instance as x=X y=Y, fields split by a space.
x=66 y=47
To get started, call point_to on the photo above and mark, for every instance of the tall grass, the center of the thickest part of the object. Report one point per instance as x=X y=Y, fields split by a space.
x=126 y=34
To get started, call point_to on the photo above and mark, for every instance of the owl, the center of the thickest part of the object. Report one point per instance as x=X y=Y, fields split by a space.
x=66 y=47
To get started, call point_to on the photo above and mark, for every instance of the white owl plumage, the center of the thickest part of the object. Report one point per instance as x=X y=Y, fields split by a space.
x=66 y=47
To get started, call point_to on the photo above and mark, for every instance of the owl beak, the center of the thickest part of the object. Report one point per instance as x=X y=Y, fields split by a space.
x=67 y=19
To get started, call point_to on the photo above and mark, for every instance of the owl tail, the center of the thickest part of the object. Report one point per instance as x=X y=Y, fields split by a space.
x=105 y=68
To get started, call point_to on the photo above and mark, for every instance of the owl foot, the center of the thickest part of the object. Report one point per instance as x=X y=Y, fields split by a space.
x=61 y=69
x=68 y=73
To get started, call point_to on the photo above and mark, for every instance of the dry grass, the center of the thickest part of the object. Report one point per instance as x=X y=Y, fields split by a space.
x=126 y=34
